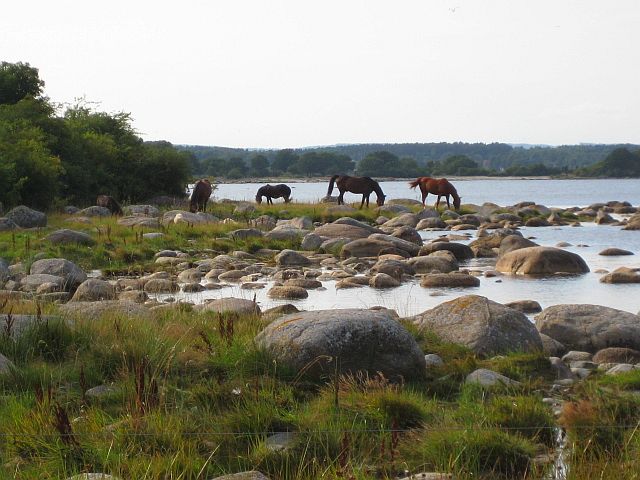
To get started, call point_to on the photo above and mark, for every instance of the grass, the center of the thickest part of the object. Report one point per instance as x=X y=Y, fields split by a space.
x=192 y=397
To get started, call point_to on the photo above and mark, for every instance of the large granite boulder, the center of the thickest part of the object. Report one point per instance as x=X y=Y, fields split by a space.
x=514 y=242
x=94 y=211
x=290 y=258
x=590 y=328
x=93 y=310
x=621 y=275
x=461 y=251
x=343 y=229
x=433 y=264
x=365 y=247
x=453 y=279
x=411 y=248
x=351 y=340
x=142 y=210
x=66 y=236
x=541 y=261
x=484 y=326
x=93 y=290
x=26 y=217
x=229 y=305
x=60 y=267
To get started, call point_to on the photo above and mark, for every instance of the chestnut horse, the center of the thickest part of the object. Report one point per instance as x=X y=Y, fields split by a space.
x=273 y=191
x=109 y=202
x=200 y=196
x=363 y=185
x=437 y=186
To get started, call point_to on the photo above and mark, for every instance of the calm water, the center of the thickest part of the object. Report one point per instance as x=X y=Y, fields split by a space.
x=552 y=193
x=410 y=298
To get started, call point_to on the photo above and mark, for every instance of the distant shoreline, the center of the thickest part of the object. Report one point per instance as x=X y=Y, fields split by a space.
x=379 y=179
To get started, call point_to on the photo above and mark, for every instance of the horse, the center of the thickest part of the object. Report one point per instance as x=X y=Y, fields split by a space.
x=437 y=186
x=273 y=191
x=109 y=202
x=363 y=185
x=200 y=196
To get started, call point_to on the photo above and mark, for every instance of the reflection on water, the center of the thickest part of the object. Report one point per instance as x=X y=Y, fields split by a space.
x=410 y=298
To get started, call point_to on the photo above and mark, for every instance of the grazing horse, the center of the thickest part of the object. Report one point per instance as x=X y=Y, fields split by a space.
x=363 y=185
x=109 y=202
x=200 y=196
x=273 y=191
x=437 y=186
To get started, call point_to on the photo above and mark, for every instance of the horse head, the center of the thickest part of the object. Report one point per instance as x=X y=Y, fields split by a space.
x=193 y=206
x=380 y=200
x=456 y=203
x=258 y=199
x=287 y=199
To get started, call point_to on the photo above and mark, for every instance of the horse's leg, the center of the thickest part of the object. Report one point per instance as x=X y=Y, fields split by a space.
x=368 y=200
x=341 y=198
x=362 y=203
x=438 y=202
x=448 y=204
x=269 y=201
x=424 y=199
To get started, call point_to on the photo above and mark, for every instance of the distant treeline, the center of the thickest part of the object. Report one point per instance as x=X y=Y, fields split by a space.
x=50 y=157
x=391 y=160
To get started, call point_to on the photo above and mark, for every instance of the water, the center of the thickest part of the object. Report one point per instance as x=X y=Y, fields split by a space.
x=552 y=193
x=410 y=298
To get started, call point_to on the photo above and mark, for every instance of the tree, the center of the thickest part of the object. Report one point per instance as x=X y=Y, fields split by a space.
x=619 y=163
x=259 y=165
x=387 y=164
x=283 y=160
x=17 y=81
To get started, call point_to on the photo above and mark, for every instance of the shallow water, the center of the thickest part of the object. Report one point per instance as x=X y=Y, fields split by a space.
x=552 y=193
x=410 y=298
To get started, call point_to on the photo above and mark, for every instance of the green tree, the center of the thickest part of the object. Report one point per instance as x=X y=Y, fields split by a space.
x=259 y=166
x=283 y=161
x=384 y=163
x=17 y=81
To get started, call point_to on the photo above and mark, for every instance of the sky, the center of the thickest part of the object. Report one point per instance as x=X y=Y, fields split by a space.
x=293 y=73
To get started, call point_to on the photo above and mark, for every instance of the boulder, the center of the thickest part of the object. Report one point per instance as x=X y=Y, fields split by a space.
x=484 y=326
x=489 y=378
x=149 y=210
x=453 y=279
x=93 y=310
x=286 y=232
x=66 y=236
x=139 y=221
x=406 y=219
x=614 y=252
x=229 y=304
x=633 y=223
x=263 y=222
x=433 y=222
x=525 y=306
x=358 y=340
x=93 y=290
x=31 y=283
x=302 y=223
x=461 y=251
x=94 y=211
x=514 y=242
x=312 y=241
x=541 y=261
x=408 y=234
x=199 y=218
x=552 y=347
x=307 y=283
x=382 y=280
x=161 y=285
x=352 y=282
x=244 y=233
x=617 y=355
x=25 y=217
x=288 y=258
x=343 y=228
x=411 y=248
x=364 y=247
x=244 y=209
x=621 y=275
x=392 y=267
x=590 y=327
x=433 y=264
x=287 y=292
x=72 y=274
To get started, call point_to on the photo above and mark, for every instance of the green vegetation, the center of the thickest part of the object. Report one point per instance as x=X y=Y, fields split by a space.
x=619 y=163
x=48 y=158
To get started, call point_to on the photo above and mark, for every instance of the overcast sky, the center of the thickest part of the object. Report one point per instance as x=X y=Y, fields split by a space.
x=269 y=73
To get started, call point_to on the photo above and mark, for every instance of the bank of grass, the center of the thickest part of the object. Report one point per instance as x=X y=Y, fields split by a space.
x=189 y=402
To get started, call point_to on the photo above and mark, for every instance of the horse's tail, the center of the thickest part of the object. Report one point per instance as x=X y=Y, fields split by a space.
x=331 y=182
x=415 y=183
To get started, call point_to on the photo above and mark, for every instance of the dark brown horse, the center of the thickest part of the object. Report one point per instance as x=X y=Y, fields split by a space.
x=200 y=196
x=273 y=191
x=363 y=185
x=109 y=202
x=436 y=186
